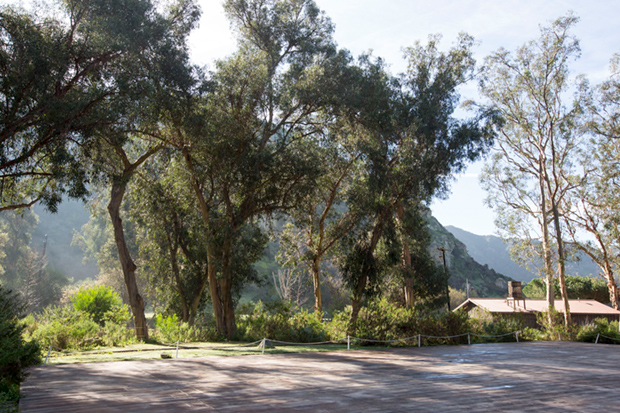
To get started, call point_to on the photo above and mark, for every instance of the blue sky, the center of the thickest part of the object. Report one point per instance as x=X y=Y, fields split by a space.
x=385 y=27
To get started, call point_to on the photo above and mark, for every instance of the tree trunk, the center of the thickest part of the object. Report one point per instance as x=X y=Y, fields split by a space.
x=196 y=300
x=316 y=279
x=561 y=263
x=226 y=287
x=219 y=288
x=358 y=293
x=356 y=303
x=177 y=279
x=544 y=226
x=218 y=312
x=611 y=285
x=406 y=257
x=128 y=266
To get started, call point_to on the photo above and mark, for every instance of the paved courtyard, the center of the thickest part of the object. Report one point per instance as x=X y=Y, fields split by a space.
x=539 y=376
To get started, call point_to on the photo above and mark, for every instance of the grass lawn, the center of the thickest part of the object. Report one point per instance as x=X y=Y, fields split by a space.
x=186 y=350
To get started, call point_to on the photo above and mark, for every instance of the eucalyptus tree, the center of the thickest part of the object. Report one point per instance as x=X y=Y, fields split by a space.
x=250 y=158
x=528 y=175
x=593 y=206
x=56 y=84
x=411 y=145
x=151 y=80
x=323 y=218
x=170 y=237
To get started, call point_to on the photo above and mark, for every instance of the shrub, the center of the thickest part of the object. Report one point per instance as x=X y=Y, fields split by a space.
x=549 y=329
x=608 y=332
x=169 y=329
x=258 y=321
x=101 y=302
x=66 y=328
x=16 y=354
x=116 y=335
x=383 y=320
x=275 y=320
x=496 y=329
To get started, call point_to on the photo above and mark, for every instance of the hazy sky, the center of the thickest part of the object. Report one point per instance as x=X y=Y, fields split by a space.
x=386 y=26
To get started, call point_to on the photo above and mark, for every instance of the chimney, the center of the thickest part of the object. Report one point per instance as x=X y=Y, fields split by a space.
x=515 y=294
x=514 y=290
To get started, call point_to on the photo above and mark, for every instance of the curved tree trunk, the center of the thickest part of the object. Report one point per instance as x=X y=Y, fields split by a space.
x=128 y=266
x=316 y=280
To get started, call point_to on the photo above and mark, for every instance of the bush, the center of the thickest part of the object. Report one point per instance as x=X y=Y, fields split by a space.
x=549 y=329
x=275 y=320
x=66 y=328
x=383 y=320
x=496 y=329
x=16 y=354
x=101 y=302
x=608 y=332
x=169 y=329
x=117 y=335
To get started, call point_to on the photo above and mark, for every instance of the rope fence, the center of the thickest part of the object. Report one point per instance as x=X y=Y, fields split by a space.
x=263 y=344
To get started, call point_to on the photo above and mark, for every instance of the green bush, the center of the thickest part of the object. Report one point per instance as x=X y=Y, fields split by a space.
x=608 y=332
x=496 y=329
x=16 y=354
x=549 y=329
x=101 y=302
x=276 y=321
x=117 y=335
x=169 y=330
x=383 y=320
x=65 y=327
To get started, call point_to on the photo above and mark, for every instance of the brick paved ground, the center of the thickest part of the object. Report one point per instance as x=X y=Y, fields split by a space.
x=541 y=376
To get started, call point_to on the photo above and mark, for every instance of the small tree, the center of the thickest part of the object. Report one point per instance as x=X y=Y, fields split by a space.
x=99 y=301
x=15 y=353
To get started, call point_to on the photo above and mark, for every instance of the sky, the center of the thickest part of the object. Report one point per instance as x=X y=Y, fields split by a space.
x=387 y=26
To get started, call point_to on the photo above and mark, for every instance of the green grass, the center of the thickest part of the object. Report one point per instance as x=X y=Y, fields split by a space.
x=188 y=350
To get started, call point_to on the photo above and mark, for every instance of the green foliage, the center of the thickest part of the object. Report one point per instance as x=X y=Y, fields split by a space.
x=64 y=327
x=577 y=287
x=496 y=326
x=102 y=303
x=22 y=267
x=383 y=320
x=117 y=335
x=16 y=354
x=608 y=331
x=169 y=330
x=551 y=323
x=276 y=321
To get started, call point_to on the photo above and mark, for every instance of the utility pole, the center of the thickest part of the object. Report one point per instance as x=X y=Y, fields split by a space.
x=445 y=268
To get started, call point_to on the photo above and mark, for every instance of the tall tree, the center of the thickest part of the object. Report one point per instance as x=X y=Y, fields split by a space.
x=323 y=218
x=171 y=238
x=527 y=175
x=411 y=147
x=251 y=159
x=152 y=81
x=593 y=206
x=56 y=87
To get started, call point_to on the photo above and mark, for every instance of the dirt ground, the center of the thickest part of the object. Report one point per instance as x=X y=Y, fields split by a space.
x=537 y=376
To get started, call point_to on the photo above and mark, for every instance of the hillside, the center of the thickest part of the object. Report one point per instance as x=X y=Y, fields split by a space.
x=492 y=251
x=485 y=281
